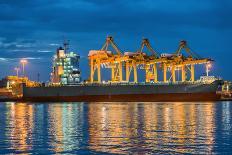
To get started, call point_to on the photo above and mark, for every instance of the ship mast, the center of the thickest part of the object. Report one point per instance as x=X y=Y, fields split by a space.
x=66 y=45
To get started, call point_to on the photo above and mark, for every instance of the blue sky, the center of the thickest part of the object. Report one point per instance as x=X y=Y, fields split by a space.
x=33 y=29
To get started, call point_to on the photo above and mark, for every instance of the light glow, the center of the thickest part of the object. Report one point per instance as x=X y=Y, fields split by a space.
x=209 y=65
x=23 y=61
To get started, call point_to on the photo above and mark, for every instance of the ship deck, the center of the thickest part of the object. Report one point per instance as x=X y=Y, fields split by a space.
x=131 y=83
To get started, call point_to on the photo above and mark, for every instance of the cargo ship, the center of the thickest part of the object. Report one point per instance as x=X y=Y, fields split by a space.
x=198 y=91
x=66 y=84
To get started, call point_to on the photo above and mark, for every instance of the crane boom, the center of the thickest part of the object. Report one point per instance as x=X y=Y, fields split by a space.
x=145 y=42
x=110 y=41
x=183 y=45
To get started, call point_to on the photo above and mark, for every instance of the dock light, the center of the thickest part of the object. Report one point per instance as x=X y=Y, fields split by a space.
x=208 y=66
x=23 y=62
x=17 y=71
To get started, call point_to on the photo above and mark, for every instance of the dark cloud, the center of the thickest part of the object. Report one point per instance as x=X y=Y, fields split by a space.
x=30 y=27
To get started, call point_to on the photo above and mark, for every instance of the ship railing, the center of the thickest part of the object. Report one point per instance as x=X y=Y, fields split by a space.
x=133 y=83
x=127 y=83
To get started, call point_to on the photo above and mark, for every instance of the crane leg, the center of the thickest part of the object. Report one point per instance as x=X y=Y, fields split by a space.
x=127 y=72
x=183 y=73
x=192 y=73
x=147 y=73
x=99 y=71
x=173 y=74
x=155 y=73
x=135 y=73
x=91 y=70
x=165 y=73
x=120 y=71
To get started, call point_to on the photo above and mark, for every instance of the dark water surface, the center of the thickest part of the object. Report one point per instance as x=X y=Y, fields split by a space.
x=120 y=128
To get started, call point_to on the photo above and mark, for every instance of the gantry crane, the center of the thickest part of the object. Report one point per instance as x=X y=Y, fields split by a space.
x=105 y=57
x=134 y=59
x=178 y=60
x=116 y=61
x=96 y=58
x=150 y=61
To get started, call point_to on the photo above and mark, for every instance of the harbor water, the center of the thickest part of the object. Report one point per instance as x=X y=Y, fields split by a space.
x=116 y=128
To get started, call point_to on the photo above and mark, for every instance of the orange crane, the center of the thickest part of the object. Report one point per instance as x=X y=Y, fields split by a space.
x=134 y=59
x=178 y=60
x=150 y=61
x=130 y=65
x=104 y=57
x=115 y=61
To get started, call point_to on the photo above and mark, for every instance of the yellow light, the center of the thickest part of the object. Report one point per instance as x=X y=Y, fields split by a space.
x=23 y=61
x=209 y=65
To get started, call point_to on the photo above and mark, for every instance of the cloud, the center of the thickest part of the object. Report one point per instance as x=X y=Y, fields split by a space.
x=84 y=16
x=3 y=59
x=32 y=58
x=16 y=44
x=44 y=51
x=22 y=50
x=54 y=44
x=33 y=29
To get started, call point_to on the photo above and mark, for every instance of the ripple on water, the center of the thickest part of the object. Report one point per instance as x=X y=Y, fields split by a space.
x=120 y=128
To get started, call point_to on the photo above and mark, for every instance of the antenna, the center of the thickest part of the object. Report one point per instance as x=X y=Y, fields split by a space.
x=66 y=45
x=38 y=77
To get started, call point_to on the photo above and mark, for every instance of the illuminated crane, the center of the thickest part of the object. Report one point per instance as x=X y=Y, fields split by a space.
x=131 y=60
x=130 y=64
x=150 y=61
x=178 y=61
x=104 y=57
x=141 y=59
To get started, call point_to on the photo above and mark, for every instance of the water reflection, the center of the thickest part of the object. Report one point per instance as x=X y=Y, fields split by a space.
x=20 y=129
x=65 y=126
x=177 y=128
x=116 y=128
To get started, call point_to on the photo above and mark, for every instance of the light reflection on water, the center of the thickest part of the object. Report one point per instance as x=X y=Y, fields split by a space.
x=120 y=128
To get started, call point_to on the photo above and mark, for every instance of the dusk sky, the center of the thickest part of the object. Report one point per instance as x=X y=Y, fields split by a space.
x=33 y=29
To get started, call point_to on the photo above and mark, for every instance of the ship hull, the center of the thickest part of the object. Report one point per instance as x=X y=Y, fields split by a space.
x=187 y=97
x=124 y=93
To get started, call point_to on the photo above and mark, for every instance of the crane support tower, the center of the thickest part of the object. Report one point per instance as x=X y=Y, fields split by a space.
x=129 y=62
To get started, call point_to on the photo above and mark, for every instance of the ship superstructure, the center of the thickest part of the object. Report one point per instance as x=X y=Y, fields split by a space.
x=65 y=69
